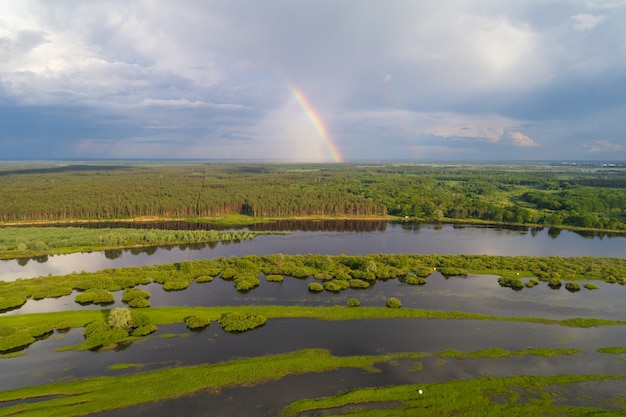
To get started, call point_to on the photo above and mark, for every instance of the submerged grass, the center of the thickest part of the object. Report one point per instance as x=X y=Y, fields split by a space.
x=92 y=395
x=517 y=395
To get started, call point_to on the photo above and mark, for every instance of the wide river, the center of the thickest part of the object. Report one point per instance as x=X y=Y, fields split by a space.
x=174 y=345
x=350 y=239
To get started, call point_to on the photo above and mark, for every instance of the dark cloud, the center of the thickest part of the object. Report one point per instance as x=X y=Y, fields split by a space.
x=476 y=78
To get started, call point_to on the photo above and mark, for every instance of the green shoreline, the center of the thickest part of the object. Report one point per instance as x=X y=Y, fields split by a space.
x=173 y=315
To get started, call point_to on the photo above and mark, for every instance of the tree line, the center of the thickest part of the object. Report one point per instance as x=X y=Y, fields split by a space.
x=523 y=194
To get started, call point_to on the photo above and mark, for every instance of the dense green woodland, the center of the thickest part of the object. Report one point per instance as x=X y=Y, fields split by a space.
x=558 y=195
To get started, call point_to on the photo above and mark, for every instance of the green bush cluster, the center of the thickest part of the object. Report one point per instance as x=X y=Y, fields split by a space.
x=358 y=283
x=136 y=298
x=413 y=279
x=353 y=302
x=316 y=287
x=514 y=283
x=393 y=302
x=196 y=323
x=245 y=281
x=121 y=323
x=274 y=278
x=240 y=322
x=95 y=296
x=572 y=286
x=591 y=286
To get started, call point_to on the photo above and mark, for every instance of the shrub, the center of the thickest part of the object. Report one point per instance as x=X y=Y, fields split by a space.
x=358 y=283
x=323 y=276
x=98 y=326
x=531 y=283
x=195 y=322
x=139 y=303
x=176 y=285
x=332 y=286
x=414 y=280
x=109 y=336
x=554 y=283
x=132 y=293
x=240 y=322
x=274 y=278
x=144 y=330
x=95 y=296
x=316 y=287
x=138 y=319
x=393 y=303
x=572 y=286
x=591 y=286
x=353 y=302
x=246 y=281
x=204 y=278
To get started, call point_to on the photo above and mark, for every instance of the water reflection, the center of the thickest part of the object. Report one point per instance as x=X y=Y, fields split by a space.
x=392 y=238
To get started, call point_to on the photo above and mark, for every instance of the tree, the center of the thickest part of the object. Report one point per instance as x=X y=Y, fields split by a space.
x=120 y=317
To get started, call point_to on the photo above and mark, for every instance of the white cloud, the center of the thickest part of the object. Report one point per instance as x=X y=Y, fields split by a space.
x=520 y=139
x=148 y=102
x=583 y=21
x=603 y=146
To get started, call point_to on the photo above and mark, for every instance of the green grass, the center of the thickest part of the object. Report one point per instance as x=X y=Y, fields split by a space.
x=503 y=353
x=615 y=350
x=517 y=395
x=92 y=395
x=172 y=315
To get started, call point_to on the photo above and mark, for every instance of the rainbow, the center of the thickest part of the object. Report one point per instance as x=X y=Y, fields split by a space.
x=317 y=123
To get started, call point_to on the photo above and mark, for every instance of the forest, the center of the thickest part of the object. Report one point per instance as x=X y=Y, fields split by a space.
x=562 y=195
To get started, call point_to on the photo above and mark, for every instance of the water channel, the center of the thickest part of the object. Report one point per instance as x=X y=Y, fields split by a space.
x=41 y=363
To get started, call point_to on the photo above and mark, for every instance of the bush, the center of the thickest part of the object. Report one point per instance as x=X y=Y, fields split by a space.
x=246 y=281
x=240 y=322
x=323 y=276
x=138 y=319
x=332 y=286
x=353 y=302
x=393 y=303
x=98 y=326
x=195 y=322
x=144 y=330
x=358 y=283
x=554 y=283
x=572 y=286
x=132 y=293
x=176 y=285
x=591 y=286
x=95 y=296
x=514 y=283
x=109 y=336
x=315 y=287
x=531 y=283
x=204 y=278
x=414 y=280
x=274 y=278
x=139 y=303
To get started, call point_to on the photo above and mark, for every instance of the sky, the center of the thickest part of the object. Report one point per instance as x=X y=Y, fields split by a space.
x=313 y=81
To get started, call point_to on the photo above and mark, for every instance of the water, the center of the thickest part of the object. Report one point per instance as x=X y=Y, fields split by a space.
x=41 y=362
x=394 y=238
